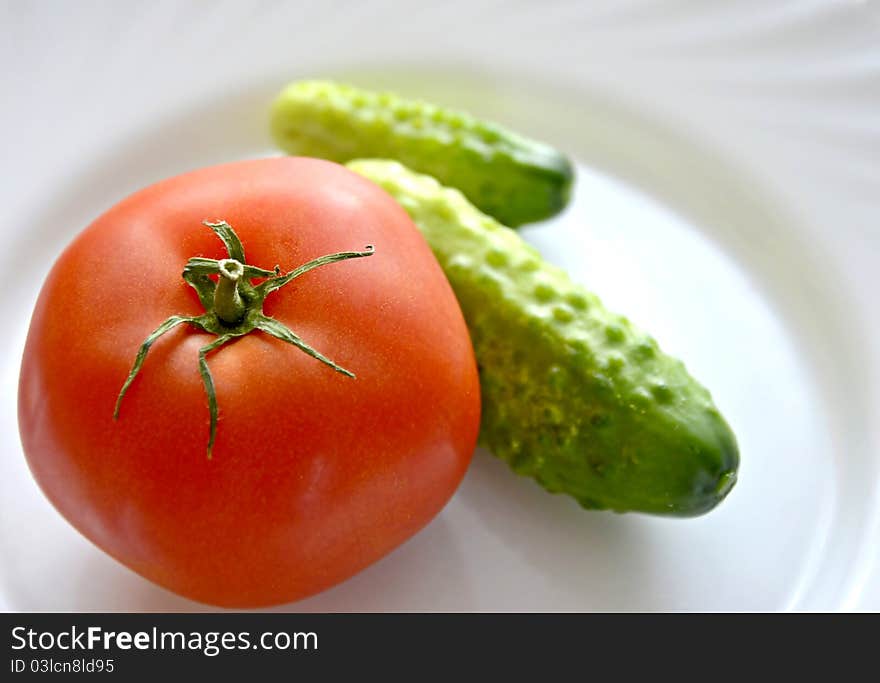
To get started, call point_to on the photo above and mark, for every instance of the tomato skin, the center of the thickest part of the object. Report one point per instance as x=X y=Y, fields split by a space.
x=314 y=475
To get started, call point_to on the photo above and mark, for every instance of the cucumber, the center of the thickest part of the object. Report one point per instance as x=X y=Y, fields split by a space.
x=514 y=179
x=573 y=395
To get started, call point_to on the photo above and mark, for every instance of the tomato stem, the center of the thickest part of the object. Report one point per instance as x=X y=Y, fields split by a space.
x=228 y=304
x=233 y=308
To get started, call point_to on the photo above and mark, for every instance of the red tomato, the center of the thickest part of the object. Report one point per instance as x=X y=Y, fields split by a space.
x=314 y=475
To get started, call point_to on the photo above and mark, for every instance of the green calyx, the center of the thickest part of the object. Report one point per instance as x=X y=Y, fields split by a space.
x=233 y=308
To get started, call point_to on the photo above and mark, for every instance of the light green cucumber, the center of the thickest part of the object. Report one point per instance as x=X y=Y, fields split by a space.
x=512 y=178
x=573 y=395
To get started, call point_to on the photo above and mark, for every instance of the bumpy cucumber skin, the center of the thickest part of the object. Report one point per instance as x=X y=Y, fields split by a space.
x=505 y=175
x=573 y=395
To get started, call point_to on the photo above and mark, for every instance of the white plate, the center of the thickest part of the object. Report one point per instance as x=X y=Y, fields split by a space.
x=727 y=202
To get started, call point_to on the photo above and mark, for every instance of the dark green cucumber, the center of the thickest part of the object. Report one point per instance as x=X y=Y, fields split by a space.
x=573 y=395
x=512 y=178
